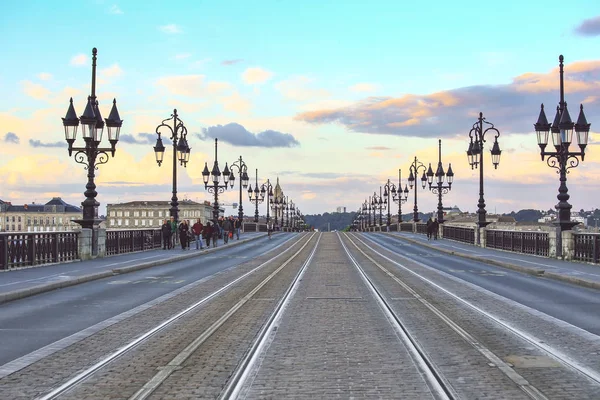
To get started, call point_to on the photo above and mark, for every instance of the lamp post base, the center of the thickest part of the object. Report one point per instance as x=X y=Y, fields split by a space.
x=565 y=225
x=88 y=223
x=483 y=224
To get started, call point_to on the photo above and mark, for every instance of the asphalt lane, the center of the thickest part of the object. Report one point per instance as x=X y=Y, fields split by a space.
x=576 y=305
x=31 y=323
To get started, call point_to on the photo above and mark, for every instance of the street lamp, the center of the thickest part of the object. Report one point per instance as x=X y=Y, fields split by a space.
x=240 y=165
x=475 y=156
x=439 y=187
x=256 y=196
x=91 y=156
x=367 y=208
x=181 y=152
x=414 y=171
x=562 y=159
x=400 y=196
x=267 y=189
x=378 y=204
x=215 y=187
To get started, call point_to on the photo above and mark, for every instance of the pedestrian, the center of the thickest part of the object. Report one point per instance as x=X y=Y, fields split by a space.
x=165 y=230
x=207 y=233
x=183 y=234
x=435 y=228
x=429 y=228
x=238 y=227
x=173 y=224
x=227 y=229
x=216 y=233
x=197 y=229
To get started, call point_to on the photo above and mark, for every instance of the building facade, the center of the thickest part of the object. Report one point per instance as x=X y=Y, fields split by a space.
x=150 y=214
x=55 y=215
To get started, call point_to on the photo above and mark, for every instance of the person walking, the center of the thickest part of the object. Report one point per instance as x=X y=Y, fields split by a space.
x=207 y=233
x=227 y=228
x=198 y=228
x=435 y=228
x=238 y=227
x=183 y=234
x=216 y=232
x=173 y=224
x=429 y=228
x=165 y=230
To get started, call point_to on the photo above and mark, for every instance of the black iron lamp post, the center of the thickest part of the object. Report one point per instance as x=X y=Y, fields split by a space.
x=266 y=190
x=289 y=207
x=378 y=204
x=475 y=156
x=92 y=155
x=388 y=189
x=240 y=165
x=562 y=159
x=414 y=172
x=181 y=152
x=400 y=196
x=367 y=208
x=215 y=177
x=439 y=188
x=256 y=196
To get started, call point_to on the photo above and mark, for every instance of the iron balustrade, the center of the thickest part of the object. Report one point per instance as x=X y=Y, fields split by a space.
x=262 y=228
x=393 y=227
x=129 y=241
x=459 y=233
x=526 y=242
x=587 y=247
x=35 y=248
x=422 y=228
x=406 y=227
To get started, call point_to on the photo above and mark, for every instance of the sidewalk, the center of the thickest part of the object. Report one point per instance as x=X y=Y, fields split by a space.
x=24 y=282
x=582 y=274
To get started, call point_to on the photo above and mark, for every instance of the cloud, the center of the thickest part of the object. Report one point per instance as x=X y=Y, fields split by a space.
x=113 y=71
x=11 y=137
x=38 y=143
x=35 y=90
x=237 y=135
x=114 y=9
x=144 y=138
x=256 y=76
x=236 y=103
x=379 y=148
x=297 y=89
x=232 y=62
x=79 y=60
x=513 y=108
x=182 y=56
x=589 y=27
x=364 y=87
x=170 y=29
x=44 y=76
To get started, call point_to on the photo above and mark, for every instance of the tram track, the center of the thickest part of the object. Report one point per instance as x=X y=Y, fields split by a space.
x=367 y=251
x=69 y=389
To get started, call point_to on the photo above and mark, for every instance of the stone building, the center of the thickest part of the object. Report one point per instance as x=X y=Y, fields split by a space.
x=150 y=214
x=55 y=215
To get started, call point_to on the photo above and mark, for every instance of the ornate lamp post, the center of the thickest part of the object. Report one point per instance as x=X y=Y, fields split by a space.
x=475 y=155
x=265 y=188
x=388 y=189
x=400 y=196
x=256 y=196
x=92 y=155
x=367 y=208
x=240 y=165
x=378 y=204
x=215 y=187
x=414 y=171
x=181 y=152
x=562 y=159
x=439 y=187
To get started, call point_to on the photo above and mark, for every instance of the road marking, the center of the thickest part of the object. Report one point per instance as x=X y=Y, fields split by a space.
x=134 y=260
x=36 y=279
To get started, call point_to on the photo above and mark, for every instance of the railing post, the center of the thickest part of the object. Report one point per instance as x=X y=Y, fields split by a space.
x=84 y=244
x=55 y=247
x=101 y=242
x=31 y=246
x=3 y=252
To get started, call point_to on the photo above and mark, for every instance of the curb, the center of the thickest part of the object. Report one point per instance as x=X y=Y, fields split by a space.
x=515 y=267
x=22 y=293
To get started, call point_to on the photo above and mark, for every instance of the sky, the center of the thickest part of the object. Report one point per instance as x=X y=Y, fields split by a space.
x=332 y=98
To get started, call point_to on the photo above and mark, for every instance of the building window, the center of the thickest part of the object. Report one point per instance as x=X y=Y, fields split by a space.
x=160 y=213
x=60 y=220
x=112 y=222
x=47 y=220
x=53 y=220
x=19 y=218
x=126 y=213
x=13 y=218
x=143 y=213
x=28 y=221
x=136 y=213
x=126 y=222
x=34 y=220
x=119 y=213
x=143 y=222
x=119 y=222
x=13 y=227
x=135 y=222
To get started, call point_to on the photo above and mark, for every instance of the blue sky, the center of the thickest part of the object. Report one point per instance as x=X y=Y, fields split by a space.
x=265 y=65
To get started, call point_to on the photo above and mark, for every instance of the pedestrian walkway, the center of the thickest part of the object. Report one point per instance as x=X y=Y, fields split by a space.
x=24 y=282
x=583 y=274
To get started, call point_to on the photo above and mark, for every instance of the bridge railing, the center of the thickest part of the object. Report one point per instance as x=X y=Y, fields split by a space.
x=129 y=241
x=406 y=227
x=526 y=242
x=586 y=247
x=34 y=248
x=422 y=228
x=393 y=227
x=463 y=234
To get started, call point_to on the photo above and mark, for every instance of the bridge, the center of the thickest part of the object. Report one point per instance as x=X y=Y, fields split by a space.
x=362 y=314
